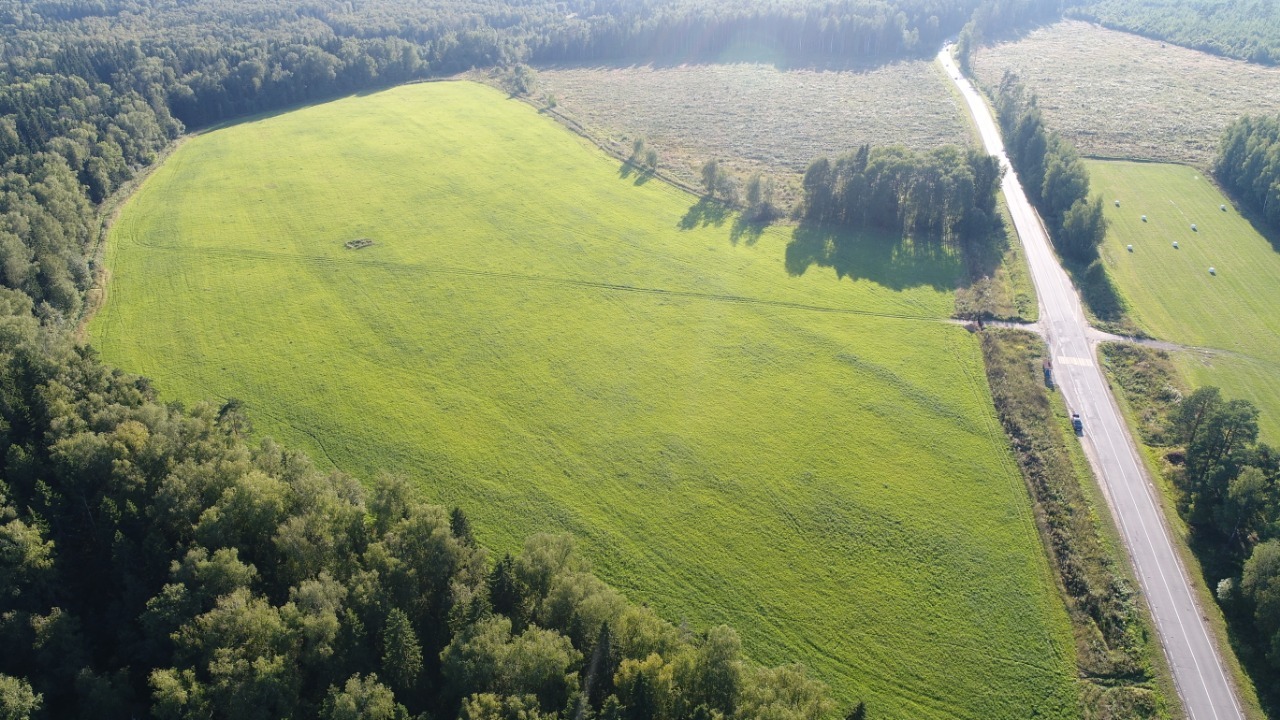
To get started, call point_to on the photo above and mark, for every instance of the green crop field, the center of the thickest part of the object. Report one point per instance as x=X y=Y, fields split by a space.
x=557 y=345
x=1119 y=95
x=1171 y=295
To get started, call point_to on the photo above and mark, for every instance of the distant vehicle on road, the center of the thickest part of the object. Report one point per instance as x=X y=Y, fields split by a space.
x=1077 y=424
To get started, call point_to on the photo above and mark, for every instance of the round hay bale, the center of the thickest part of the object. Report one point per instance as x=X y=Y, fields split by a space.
x=1194 y=228
x=1223 y=208
x=1144 y=218
x=1117 y=203
x=1130 y=248
x=1213 y=271
x=1175 y=244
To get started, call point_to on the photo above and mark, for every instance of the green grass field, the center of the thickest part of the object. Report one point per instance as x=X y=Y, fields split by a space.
x=1170 y=292
x=555 y=345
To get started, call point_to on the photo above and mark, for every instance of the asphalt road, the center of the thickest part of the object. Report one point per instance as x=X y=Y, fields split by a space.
x=1189 y=646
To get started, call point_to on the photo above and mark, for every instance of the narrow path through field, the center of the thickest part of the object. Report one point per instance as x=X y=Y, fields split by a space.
x=1193 y=654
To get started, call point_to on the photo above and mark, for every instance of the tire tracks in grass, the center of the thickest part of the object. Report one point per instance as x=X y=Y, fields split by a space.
x=403 y=267
x=880 y=676
x=779 y=620
x=210 y=392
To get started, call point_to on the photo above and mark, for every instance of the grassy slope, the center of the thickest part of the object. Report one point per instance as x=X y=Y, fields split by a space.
x=1171 y=293
x=535 y=338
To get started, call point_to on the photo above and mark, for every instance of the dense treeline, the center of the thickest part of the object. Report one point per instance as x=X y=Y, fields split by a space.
x=66 y=144
x=153 y=563
x=1244 y=30
x=1051 y=172
x=836 y=30
x=211 y=61
x=1230 y=495
x=948 y=193
x=1248 y=164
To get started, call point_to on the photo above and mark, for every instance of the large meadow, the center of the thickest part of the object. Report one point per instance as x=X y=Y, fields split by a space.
x=1227 y=319
x=1119 y=95
x=556 y=344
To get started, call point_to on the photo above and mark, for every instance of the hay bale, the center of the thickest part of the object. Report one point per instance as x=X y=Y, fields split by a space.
x=1144 y=218
x=1175 y=244
x=1223 y=208
x=1194 y=228
x=1213 y=271
x=1130 y=248
x=1117 y=203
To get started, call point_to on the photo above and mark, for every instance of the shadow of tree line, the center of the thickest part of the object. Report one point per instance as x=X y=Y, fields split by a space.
x=642 y=174
x=888 y=259
x=707 y=212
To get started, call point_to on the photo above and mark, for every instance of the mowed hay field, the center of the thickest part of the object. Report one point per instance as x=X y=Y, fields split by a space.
x=1170 y=292
x=1119 y=95
x=759 y=117
x=532 y=337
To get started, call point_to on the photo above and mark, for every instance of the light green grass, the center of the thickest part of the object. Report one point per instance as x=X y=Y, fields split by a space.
x=534 y=338
x=1170 y=292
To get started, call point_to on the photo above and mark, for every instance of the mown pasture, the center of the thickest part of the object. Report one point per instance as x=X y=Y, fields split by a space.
x=1170 y=293
x=760 y=118
x=556 y=344
x=1119 y=95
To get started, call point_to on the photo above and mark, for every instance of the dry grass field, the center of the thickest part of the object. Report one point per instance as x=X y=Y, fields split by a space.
x=757 y=117
x=1119 y=95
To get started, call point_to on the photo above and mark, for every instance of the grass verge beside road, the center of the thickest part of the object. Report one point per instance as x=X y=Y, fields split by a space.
x=1113 y=653
x=999 y=288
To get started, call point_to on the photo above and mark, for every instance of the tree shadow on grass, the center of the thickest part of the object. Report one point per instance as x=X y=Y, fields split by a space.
x=883 y=258
x=1100 y=295
x=746 y=231
x=703 y=213
x=629 y=169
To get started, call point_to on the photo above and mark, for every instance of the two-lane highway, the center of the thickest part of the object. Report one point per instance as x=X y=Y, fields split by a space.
x=1198 y=670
